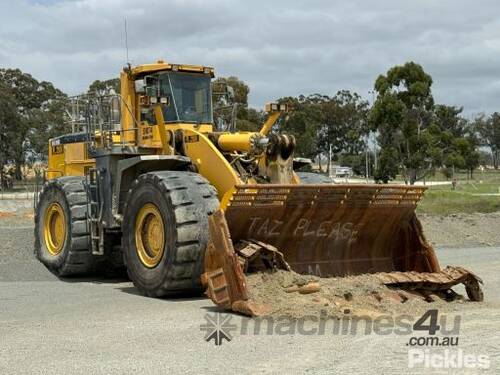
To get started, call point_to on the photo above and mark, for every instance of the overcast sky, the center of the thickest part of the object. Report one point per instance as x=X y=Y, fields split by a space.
x=278 y=48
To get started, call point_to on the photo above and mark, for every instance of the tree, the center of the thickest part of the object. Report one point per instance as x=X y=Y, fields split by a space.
x=33 y=100
x=345 y=126
x=9 y=122
x=488 y=129
x=470 y=154
x=402 y=114
x=105 y=87
x=230 y=101
x=345 y=117
x=304 y=123
x=456 y=140
x=320 y=123
x=449 y=119
x=387 y=165
x=48 y=122
x=358 y=162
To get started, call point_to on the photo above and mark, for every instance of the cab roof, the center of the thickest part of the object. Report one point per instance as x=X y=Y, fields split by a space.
x=161 y=65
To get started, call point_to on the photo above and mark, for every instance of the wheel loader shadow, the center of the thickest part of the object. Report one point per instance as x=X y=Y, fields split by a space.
x=171 y=297
x=216 y=309
x=100 y=279
x=95 y=279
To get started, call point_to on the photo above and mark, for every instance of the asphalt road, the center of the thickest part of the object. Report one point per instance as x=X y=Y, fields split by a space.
x=101 y=326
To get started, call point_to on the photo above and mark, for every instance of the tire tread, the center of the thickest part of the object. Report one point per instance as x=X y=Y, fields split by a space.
x=192 y=199
x=79 y=259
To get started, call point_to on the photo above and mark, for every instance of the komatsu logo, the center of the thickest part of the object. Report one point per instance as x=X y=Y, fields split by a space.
x=268 y=228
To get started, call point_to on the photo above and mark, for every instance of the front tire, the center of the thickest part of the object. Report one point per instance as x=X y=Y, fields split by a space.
x=165 y=231
x=61 y=235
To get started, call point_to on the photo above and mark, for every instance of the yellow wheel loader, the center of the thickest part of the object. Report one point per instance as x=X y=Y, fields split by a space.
x=135 y=183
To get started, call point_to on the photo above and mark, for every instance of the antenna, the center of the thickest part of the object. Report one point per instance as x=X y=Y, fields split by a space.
x=126 y=41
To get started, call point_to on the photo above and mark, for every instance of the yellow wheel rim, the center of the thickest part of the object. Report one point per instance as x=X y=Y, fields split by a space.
x=149 y=235
x=54 y=228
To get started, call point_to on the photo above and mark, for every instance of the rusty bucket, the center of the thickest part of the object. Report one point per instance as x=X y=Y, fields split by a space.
x=323 y=230
x=334 y=230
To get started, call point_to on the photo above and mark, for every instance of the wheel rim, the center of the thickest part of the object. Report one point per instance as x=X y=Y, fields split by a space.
x=54 y=228
x=149 y=235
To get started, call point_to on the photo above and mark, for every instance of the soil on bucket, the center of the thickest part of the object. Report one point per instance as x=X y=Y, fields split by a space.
x=288 y=294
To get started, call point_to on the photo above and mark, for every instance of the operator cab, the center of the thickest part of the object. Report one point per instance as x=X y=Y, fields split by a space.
x=184 y=95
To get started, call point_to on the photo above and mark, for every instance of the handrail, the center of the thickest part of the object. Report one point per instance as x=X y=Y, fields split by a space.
x=95 y=114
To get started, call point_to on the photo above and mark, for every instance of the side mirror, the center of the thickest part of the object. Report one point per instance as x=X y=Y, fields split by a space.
x=152 y=86
x=147 y=85
x=140 y=86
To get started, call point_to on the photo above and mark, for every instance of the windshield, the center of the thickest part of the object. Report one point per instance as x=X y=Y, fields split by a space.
x=188 y=96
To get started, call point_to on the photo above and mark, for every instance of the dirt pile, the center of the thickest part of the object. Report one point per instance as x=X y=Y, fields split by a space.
x=282 y=294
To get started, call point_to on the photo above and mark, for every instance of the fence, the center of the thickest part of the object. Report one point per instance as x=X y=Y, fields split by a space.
x=25 y=189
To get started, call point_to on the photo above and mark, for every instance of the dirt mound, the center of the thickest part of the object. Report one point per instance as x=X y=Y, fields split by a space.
x=288 y=294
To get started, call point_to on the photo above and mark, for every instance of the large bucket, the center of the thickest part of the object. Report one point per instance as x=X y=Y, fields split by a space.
x=335 y=230
x=327 y=231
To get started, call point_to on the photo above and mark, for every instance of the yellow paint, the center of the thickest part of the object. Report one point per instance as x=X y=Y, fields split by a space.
x=56 y=167
x=149 y=235
x=210 y=162
x=160 y=124
x=162 y=66
x=54 y=228
x=68 y=160
x=149 y=135
x=226 y=198
x=72 y=159
x=128 y=107
x=271 y=120
x=236 y=141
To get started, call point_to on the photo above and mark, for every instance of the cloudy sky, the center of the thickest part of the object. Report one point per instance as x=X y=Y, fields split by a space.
x=278 y=47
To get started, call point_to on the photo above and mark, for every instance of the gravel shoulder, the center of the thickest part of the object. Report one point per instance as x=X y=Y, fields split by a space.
x=462 y=230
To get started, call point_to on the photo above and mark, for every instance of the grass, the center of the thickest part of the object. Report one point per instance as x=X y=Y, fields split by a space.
x=467 y=198
x=486 y=175
x=439 y=202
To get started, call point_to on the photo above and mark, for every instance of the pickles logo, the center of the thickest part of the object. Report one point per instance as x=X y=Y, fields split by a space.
x=218 y=327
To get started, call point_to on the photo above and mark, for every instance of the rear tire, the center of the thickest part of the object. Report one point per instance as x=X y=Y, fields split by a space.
x=170 y=261
x=308 y=178
x=61 y=235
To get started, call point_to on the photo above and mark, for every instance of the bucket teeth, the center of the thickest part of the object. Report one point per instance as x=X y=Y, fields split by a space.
x=443 y=280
